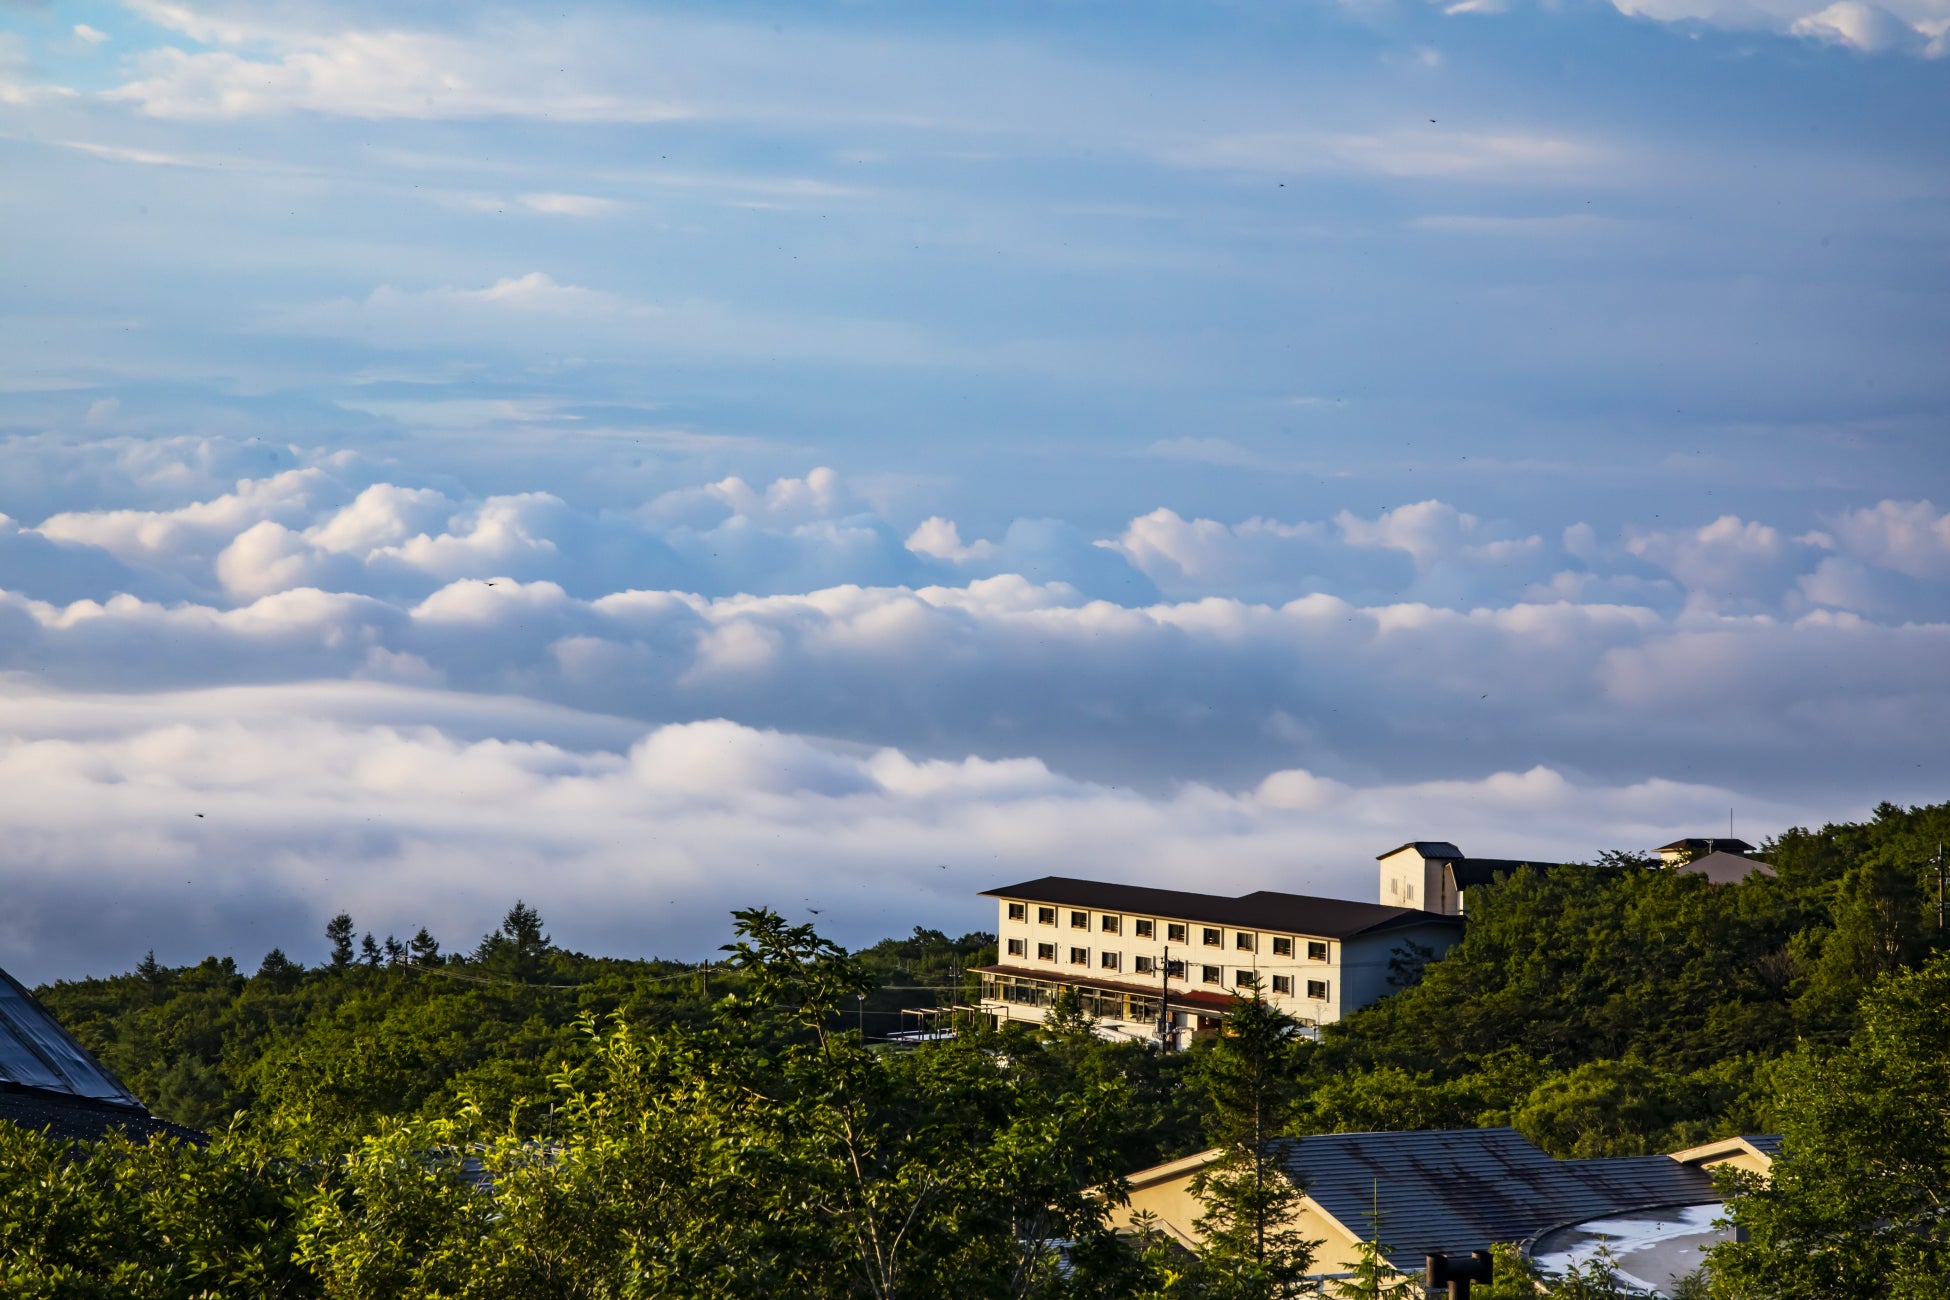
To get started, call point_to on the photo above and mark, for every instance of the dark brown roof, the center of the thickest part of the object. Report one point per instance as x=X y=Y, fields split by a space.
x=1481 y=871
x=1330 y=918
x=1427 y=848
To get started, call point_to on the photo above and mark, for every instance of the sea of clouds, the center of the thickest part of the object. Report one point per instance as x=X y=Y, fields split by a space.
x=242 y=690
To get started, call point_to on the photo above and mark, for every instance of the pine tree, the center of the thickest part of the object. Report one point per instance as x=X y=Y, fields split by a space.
x=149 y=968
x=369 y=951
x=423 y=949
x=1251 y=1078
x=339 y=930
x=1373 y=1277
x=395 y=951
x=277 y=966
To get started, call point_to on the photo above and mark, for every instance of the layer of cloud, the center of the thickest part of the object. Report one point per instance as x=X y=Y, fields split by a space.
x=235 y=820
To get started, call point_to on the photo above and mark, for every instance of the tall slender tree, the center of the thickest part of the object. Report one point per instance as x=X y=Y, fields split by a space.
x=1251 y=1076
x=340 y=930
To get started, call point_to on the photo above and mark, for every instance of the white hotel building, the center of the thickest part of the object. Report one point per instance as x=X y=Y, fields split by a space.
x=1136 y=954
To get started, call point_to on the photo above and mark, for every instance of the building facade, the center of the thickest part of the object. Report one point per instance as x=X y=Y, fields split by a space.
x=1162 y=964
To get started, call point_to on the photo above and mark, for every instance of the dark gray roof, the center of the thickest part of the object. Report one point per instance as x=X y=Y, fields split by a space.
x=1481 y=871
x=35 y=1052
x=1330 y=918
x=1427 y=848
x=1465 y=1189
x=80 y=1119
x=1701 y=845
x=1768 y=1144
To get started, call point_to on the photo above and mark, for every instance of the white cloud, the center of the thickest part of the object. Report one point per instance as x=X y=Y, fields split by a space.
x=1439 y=153
x=1910 y=537
x=1865 y=27
x=1913 y=26
x=314 y=801
x=92 y=36
x=569 y=205
x=520 y=313
x=510 y=70
x=1731 y=560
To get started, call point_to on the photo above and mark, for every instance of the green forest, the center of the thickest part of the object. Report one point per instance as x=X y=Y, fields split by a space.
x=515 y=1119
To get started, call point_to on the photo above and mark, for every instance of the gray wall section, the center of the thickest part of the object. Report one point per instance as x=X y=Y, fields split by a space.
x=1364 y=960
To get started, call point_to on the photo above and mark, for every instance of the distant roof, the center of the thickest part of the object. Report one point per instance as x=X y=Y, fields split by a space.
x=1725 y=868
x=1427 y=848
x=1464 y=1189
x=1706 y=846
x=81 y=1119
x=35 y=1052
x=1481 y=871
x=1768 y=1144
x=1330 y=918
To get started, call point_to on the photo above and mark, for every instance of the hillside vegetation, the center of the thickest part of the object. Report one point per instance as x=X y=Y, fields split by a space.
x=526 y=1121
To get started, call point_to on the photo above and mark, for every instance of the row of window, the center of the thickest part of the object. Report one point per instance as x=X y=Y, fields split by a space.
x=1211 y=936
x=1114 y=961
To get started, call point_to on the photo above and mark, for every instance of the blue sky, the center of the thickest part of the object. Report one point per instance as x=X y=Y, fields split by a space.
x=979 y=441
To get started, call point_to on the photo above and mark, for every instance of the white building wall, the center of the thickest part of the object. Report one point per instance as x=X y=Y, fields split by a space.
x=1313 y=965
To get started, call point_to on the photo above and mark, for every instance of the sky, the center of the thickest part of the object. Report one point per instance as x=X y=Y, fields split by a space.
x=654 y=459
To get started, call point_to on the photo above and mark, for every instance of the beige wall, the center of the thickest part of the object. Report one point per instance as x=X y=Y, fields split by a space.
x=1177 y=1211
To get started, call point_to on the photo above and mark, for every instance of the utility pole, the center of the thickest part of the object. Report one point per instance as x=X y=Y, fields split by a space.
x=1939 y=886
x=1164 y=1004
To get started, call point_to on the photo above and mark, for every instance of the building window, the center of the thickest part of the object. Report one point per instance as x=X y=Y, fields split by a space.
x=1212 y=938
x=1079 y=956
x=1108 y=924
x=1243 y=941
x=1317 y=990
x=1282 y=947
x=1409 y=892
x=1211 y=974
x=1109 y=961
x=1316 y=950
x=1145 y=965
x=1017 y=947
x=1175 y=970
x=1079 y=920
x=1174 y=932
x=1283 y=984
x=1018 y=911
x=1045 y=916
x=1144 y=929
x=1045 y=952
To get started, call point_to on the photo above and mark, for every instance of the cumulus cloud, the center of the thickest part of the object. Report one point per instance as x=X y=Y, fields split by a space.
x=351 y=798
x=753 y=686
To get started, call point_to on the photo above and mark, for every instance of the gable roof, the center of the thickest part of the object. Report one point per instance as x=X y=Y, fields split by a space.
x=1330 y=918
x=1724 y=868
x=35 y=1052
x=1464 y=1189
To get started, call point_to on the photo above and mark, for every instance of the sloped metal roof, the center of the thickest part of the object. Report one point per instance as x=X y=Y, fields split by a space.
x=1466 y=1189
x=35 y=1052
x=81 y=1119
x=1327 y=918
